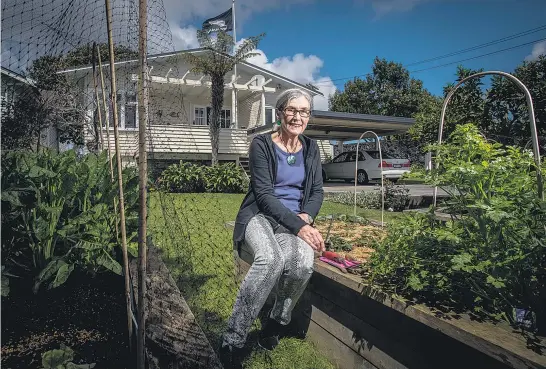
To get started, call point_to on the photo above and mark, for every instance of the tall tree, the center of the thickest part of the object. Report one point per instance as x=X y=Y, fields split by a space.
x=215 y=62
x=506 y=106
x=388 y=90
x=467 y=103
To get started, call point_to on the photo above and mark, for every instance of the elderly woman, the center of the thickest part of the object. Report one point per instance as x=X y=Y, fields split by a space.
x=275 y=224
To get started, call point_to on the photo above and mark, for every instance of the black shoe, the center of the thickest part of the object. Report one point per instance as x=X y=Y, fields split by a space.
x=270 y=335
x=231 y=357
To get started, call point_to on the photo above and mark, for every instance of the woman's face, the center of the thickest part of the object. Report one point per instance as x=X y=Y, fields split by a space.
x=295 y=116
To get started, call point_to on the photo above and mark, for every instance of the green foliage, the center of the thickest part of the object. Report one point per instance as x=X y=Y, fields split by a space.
x=506 y=105
x=396 y=198
x=62 y=359
x=188 y=177
x=225 y=178
x=388 y=90
x=181 y=178
x=492 y=258
x=58 y=214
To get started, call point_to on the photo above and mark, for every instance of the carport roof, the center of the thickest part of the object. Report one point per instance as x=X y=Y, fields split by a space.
x=330 y=125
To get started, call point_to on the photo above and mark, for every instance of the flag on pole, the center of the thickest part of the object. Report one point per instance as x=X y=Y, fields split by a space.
x=222 y=22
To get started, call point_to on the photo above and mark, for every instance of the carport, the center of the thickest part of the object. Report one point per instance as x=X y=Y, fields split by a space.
x=341 y=127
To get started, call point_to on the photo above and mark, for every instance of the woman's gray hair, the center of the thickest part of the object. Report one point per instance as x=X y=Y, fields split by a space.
x=285 y=97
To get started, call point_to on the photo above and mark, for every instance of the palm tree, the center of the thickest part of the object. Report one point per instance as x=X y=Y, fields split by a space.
x=215 y=63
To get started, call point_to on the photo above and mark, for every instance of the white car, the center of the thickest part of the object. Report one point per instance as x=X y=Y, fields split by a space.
x=369 y=167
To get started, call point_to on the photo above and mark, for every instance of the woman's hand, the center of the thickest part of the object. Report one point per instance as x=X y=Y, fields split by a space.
x=304 y=217
x=313 y=237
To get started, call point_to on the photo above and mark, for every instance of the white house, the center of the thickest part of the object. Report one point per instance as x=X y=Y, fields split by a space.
x=14 y=86
x=179 y=107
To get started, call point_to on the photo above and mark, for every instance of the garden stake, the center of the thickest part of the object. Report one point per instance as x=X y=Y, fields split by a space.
x=120 y=175
x=381 y=164
x=101 y=137
x=143 y=179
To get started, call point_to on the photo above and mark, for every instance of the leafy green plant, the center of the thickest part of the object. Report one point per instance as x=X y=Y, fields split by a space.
x=492 y=258
x=225 y=178
x=58 y=214
x=62 y=359
x=396 y=197
x=187 y=177
x=182 y=178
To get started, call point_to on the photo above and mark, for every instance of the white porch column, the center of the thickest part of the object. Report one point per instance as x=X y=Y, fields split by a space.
x=262 y=106
x=234 y=109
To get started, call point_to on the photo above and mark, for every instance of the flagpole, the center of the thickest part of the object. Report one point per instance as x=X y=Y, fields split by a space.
x=234 y=95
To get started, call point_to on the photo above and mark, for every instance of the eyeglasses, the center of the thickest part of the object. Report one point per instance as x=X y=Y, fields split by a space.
x=292 y=111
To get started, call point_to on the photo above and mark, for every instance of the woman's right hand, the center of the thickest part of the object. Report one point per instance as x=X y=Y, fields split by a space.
x=313 y=237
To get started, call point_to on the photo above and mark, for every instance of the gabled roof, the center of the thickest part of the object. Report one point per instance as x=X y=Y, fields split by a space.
x=173 y=53
x=18 y=77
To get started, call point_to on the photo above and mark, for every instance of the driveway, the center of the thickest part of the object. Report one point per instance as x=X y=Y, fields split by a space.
x=414 y=189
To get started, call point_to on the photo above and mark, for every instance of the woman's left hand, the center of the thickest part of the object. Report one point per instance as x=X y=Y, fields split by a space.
x=305 y=217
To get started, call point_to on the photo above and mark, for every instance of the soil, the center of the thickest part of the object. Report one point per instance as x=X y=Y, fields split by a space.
x=360 y=236
x=87 y=314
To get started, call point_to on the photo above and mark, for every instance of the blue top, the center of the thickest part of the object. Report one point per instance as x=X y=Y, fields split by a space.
x=289 y=182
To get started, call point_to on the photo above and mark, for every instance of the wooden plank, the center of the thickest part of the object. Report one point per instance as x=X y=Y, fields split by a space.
x=361 y=337
x=343 y=356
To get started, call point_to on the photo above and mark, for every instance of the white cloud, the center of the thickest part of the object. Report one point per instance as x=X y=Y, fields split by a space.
x=382 y=7
x=299 y=68
x=184 y=37
x=538 y=49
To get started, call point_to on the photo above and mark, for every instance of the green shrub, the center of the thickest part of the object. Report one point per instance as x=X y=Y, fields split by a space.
x=492 y=259
x=58 y=214
x=182 y=178
x=396 y=198
x=187 y=177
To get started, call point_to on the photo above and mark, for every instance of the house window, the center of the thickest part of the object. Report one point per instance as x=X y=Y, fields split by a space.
x=201 y=116
x=269 y=118
x=127 y=111
x=130 y=110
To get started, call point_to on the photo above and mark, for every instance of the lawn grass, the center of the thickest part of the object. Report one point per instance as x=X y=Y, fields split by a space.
x=198 y=250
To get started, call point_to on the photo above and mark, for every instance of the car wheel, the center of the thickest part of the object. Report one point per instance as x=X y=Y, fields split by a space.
x=362 y=177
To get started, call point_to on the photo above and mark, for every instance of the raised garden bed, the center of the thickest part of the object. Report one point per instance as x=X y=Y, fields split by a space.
x=359 y=326
x=86 y=314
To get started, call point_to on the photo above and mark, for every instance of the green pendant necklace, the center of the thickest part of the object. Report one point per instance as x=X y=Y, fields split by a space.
x=290 y=159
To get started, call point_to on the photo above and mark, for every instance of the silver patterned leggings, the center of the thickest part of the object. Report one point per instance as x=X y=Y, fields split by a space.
x=282 y=261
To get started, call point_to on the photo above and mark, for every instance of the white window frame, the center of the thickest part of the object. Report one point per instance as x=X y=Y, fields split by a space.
x=272 y=114
x=205 y=107
x=194 y=117
x=121 y=111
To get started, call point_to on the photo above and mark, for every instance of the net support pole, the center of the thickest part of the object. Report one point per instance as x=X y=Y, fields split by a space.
x=107 y=119
x=143 y=179
x=101 y=137
x=119 y=170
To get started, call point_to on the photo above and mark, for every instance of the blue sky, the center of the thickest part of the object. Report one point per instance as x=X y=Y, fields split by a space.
x=326 y=41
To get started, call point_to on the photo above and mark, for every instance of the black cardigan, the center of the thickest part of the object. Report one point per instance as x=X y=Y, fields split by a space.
x=261 y=195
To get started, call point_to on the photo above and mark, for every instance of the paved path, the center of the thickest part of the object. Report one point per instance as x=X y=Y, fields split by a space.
x=415 y=189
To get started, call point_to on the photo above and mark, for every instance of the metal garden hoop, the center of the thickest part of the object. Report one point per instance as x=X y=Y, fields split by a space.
x=534 y=135
x=381 y=164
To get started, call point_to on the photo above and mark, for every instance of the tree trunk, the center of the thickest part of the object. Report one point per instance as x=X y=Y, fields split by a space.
x=214 y=124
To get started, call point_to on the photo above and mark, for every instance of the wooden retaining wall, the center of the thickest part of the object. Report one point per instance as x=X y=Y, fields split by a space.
x=360 y=327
